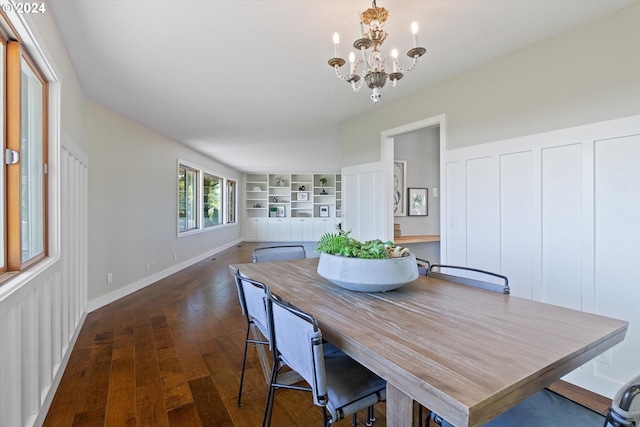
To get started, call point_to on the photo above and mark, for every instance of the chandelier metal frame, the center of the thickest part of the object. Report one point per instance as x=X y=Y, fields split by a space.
x=374 y=66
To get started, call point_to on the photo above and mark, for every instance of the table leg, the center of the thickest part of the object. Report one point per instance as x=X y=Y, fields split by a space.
x=290 y=377
x=262 y=353
x=399 y=408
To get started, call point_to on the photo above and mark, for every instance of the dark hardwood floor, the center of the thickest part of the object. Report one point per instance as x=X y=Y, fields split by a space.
x=170 y=355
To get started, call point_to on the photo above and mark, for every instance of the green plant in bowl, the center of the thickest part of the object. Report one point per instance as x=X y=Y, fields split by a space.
x=342 y=244
x=371 y=266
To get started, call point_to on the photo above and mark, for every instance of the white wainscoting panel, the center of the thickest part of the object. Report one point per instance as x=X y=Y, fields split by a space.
x=42 y=309
x=516 y=220
x=455 y=245
x=483 y=213
x=559 y=214
x=617 y=237
x=561 y=225
x=10 y=367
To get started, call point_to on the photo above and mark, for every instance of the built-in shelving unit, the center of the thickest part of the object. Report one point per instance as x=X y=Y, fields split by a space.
x=291 y=206
x=324 y=195
x=302 y=195
x=301 y=202
x=279 y=195
x=256 y=195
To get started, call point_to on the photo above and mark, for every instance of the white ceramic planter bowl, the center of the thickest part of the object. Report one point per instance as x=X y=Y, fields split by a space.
x=368 y=275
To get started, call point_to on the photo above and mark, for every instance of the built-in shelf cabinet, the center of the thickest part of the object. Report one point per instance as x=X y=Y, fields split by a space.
x=256 y=195
x=291 y=206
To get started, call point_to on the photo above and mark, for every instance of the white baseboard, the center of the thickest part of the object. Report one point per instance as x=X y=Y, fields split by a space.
x=136 y=286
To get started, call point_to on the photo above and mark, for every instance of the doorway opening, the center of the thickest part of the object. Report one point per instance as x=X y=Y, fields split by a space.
x=411 y=156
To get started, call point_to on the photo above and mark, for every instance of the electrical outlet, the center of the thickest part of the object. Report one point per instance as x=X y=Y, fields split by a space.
x=604 y=358
x=153 y=264
x=109 y=278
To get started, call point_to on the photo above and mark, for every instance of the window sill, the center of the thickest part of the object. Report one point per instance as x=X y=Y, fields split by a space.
x=206 y=230
x=11 y=283
x=5 y=277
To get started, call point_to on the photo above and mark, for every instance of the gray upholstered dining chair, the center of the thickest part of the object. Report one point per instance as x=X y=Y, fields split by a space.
x=625 y=407
x=423 y=266
x=252 y=295
x=339 y=384
x=476 y=278
x=279 y=253
x=546 y=408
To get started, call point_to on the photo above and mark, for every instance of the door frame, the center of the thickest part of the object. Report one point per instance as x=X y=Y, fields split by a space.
x=387 y=138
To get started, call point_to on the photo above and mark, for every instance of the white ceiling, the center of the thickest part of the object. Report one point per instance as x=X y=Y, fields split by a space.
x=247 y=83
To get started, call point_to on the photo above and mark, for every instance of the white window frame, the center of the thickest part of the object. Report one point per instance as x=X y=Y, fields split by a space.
x=235 y=203
x=201 y=171
x=223 y=200
x=197 y=190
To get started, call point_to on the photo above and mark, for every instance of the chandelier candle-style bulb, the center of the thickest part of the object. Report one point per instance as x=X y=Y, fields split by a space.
x=414 y=30
x=373 y=68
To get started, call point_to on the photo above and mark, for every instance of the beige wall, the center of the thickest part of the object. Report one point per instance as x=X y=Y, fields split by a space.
x=132 y=202
x=586 y=75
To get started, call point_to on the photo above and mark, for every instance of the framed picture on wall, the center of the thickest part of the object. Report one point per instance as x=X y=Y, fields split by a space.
x=417 y=201
x=399 y=186
x=324 y=210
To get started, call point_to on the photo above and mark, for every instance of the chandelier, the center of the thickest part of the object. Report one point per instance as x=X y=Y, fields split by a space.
x=374 y=66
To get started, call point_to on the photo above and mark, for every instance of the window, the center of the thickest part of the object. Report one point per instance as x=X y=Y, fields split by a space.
x=187 y=199
x=212 y=201
x=31 y=164
x=231 y=201
x=205 y=199
x=23 y=178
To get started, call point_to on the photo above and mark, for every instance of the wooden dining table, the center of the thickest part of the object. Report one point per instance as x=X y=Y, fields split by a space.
x=466 y=354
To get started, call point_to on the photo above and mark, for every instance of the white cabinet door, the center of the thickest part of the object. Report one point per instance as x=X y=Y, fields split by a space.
x=282 y=229
x=271 y=230
x=252 y=228
x=262 y=228
x=295 y=229
x=322 y=226
x=276 y=229
x=306 y=229
x=301 y=229
x=328 y=225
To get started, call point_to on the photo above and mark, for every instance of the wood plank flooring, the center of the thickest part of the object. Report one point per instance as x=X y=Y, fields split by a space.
x=171 y=355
